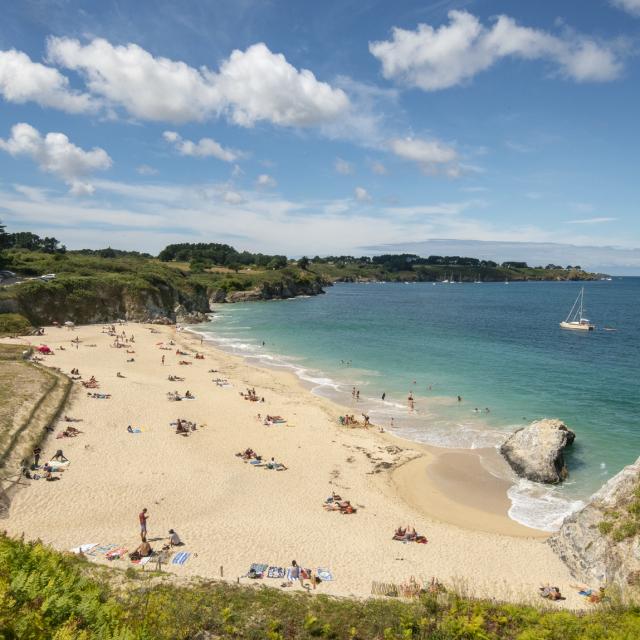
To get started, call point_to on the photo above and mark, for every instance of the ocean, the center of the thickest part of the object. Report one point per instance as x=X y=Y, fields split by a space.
x=497 y=346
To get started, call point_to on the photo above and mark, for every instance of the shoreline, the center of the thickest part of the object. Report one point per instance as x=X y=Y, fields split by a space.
x=446 y=484
x=231 y=514
x=438 y=481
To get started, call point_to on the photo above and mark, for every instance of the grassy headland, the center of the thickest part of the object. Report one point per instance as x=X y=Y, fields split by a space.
x=186 y=279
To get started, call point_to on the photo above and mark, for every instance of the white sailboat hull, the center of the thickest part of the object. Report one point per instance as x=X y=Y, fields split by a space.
x=577 y=326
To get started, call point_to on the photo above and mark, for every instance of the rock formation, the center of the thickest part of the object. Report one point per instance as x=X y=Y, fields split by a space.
x=535 y=452
x=601 y=542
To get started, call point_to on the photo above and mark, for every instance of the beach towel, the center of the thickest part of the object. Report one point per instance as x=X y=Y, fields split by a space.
x=142 y=561
x=84 y=548
x=324 y=574
x=56 y=464
x=116 y=554
x=180 y=558
x=256 y=462
x=101 y=550
x=135 y=431
x=276 y=572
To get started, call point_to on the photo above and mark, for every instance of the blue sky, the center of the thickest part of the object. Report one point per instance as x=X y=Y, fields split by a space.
x=315 y=128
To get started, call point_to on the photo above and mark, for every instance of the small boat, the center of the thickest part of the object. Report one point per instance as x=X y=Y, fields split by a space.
x=576 y=320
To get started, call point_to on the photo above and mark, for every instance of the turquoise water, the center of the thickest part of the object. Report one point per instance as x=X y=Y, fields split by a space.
x=497 y=346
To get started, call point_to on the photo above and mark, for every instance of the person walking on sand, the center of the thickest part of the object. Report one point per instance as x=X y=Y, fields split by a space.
x=143 y=517
x=36 y=456
x=295 y=573
x=163 y=359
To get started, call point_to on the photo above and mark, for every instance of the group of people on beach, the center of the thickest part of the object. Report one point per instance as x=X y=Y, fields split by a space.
x=251 y=395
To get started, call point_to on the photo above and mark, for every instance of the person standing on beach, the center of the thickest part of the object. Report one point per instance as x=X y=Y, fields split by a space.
x=384 y=395
x=36 y=456
x=295 y=573
x=143 y=517
x=163 y=359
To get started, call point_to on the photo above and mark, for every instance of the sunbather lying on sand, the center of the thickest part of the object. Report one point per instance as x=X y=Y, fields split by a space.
x=278 y=466
x=69 y=432
x=550 y=593
x=99 y=396
x=184 y=362
x=247 y=454
x=343 y=506
x=175 y=379
x=408 y=534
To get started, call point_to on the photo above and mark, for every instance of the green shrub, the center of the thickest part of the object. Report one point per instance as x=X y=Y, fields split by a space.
x=605 y=527
x=624 y=530
x=12 y=324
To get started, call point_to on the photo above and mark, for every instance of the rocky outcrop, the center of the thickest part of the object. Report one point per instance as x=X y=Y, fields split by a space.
x=536 y=452
x=601 y=542
x=269 y=291
x=184 y=316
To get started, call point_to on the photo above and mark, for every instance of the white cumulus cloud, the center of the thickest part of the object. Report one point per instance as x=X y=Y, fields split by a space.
x=361 y=194
x=56 y=154
x=250 y=86
x=437 y=58
x=343 y=167
x=378 y=168
x=266 y=181
x=22 y=80
x=203 y=148
x=232 y=197
x=630 y=6
x=146 y=170
x=432 y=156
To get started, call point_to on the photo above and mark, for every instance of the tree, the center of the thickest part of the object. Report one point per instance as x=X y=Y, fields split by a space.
x=278 y=262
x=303 y=263
x=4 y=242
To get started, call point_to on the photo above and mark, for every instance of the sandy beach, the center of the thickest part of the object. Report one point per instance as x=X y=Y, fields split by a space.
x=231 y=514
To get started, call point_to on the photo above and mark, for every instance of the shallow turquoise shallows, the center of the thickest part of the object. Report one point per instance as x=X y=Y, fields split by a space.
x=497 y=346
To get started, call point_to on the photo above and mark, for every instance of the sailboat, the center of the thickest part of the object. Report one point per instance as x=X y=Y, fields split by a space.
x=576 y=320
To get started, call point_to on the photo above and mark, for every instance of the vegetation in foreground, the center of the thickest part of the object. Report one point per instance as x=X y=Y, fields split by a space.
x=46 y=594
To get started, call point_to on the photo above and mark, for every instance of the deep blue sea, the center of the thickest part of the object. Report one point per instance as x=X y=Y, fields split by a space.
x=497 y=346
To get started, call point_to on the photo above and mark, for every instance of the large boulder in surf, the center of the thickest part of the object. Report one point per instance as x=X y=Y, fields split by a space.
x=536 y=452
x=601 y=542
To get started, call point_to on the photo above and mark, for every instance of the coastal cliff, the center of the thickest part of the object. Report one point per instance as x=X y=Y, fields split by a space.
x=601 y=542
x=104 y=298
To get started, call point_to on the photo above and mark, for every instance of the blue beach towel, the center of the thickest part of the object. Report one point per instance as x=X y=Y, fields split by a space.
x=180 y=558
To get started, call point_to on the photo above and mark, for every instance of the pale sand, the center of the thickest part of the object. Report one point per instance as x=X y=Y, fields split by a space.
x=231 y=514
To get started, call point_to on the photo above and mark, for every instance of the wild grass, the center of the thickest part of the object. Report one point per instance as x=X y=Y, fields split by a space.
x=46 y=594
